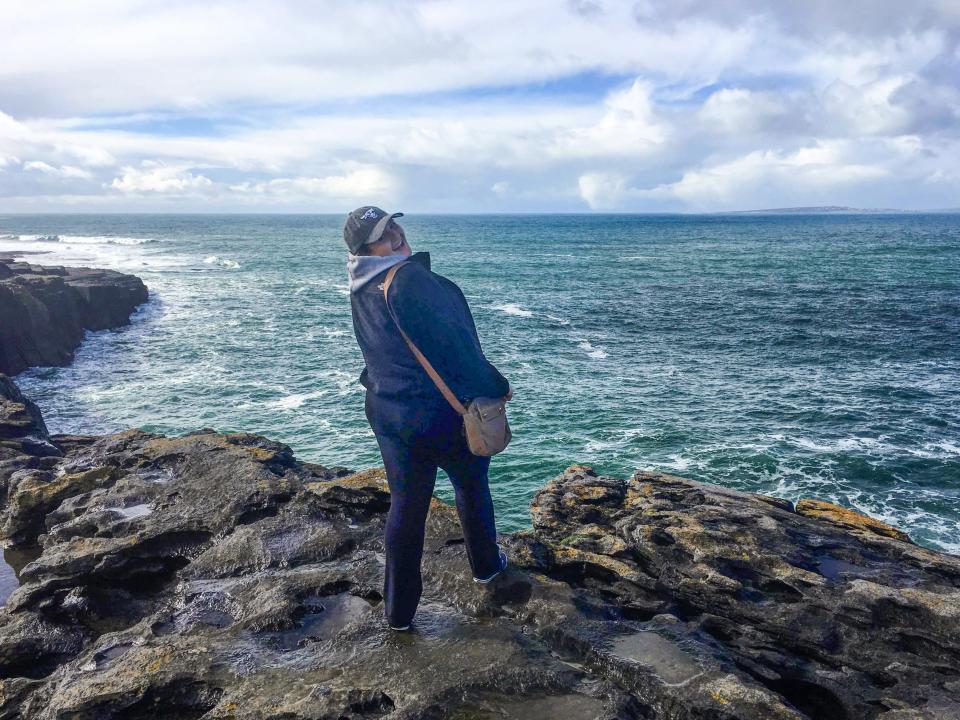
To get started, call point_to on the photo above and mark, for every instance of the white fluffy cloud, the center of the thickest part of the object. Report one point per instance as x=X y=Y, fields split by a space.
x=153 y=177
x=530 y=105
x=353 y=186
x=64 y=171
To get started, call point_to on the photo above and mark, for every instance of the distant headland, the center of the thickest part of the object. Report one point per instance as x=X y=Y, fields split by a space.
x=834 y=210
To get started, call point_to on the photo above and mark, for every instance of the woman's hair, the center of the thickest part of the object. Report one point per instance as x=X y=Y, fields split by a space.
x=363 y=250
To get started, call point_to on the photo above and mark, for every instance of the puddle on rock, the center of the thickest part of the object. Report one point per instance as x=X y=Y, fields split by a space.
x=326 y=616
x=103 y=657
x=669 y=662
x=192 y=617
x=544 y=707
x=134 y=511
x=834 y=569
x=13 y=561
x=155 y=476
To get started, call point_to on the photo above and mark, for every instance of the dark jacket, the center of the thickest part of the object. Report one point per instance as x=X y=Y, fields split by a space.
x=434 y=313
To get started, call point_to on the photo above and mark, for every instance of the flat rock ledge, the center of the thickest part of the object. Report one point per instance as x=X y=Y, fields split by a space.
x=45 y=311
x=216 y=576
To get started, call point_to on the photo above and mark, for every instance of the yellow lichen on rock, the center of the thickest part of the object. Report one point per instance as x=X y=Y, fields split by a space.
x=33 y=491
x=822 y=510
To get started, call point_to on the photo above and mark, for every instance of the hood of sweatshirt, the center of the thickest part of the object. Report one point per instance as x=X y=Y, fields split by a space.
x=361 y=269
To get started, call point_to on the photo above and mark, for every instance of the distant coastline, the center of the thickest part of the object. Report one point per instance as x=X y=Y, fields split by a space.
x=835 y=210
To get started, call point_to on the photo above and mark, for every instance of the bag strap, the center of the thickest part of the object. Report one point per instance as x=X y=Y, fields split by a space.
x=437 y=380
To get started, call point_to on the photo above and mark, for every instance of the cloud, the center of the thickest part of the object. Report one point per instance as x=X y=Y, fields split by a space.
x=606 y=190
x=812 y=174
x=356 y=186
x=651 y=105
x=153 y=177
x=64 y=171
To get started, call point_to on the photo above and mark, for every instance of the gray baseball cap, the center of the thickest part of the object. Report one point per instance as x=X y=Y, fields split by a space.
x=365 y=225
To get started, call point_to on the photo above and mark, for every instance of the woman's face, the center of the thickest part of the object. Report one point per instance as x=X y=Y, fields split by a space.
x=392 y=242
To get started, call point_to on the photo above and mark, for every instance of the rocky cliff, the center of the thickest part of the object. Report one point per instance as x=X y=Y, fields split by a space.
x=216 y=576
x=44 y=311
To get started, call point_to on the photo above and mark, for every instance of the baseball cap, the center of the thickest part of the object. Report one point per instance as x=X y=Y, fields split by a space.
x=365 y=225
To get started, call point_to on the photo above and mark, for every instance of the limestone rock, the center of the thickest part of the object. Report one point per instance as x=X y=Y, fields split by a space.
x=216 y=576
x=44 y=311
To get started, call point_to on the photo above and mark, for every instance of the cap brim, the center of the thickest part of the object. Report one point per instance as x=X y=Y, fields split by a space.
x=381 y=225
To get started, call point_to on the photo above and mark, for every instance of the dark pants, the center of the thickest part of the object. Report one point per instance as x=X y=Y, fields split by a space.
x=415 y=439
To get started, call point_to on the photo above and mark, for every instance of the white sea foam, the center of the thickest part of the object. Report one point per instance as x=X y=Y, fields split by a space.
x=842 y=445
x=222 y=262
x=81 y=239
x=33 y=238
x=945 y=446
x=290 y=402
x=598 y=353
x=562 y=321
x=875 y=446
x=512 y=309
x=294 y=400
x=103 y=240
x=678 y=463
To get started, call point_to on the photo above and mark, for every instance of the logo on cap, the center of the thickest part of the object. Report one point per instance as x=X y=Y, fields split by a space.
x=371 y=213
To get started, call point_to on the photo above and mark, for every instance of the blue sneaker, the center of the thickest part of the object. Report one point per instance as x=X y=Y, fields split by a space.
x=405 y=627
x=503 y=566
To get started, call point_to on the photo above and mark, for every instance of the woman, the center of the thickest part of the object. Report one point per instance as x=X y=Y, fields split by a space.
x=417 y=430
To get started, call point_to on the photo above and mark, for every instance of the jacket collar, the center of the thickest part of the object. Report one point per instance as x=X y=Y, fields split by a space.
x=361 y=269
x=422 y=257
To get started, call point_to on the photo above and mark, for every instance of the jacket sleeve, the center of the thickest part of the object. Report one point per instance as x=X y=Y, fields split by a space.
x=445 y=333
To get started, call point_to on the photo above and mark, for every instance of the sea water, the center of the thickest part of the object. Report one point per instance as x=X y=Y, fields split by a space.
x=800 y=356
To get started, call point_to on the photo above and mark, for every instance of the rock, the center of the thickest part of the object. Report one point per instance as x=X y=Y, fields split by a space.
x=44 y=311
x=215 y=575
x=850 y=519
x=836 y=613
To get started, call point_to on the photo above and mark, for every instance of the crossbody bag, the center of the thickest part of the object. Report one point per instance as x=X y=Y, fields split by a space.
x=484 y=418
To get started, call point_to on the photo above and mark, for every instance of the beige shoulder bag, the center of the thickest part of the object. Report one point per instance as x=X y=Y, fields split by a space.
x=484 y=419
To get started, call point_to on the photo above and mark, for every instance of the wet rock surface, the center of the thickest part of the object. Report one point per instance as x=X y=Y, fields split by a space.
x=44 y=311
x=216 y=576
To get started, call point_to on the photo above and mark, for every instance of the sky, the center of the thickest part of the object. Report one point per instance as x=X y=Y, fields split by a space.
x=457 y=106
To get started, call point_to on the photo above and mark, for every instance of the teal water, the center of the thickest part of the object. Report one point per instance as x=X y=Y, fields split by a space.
x=802 y=356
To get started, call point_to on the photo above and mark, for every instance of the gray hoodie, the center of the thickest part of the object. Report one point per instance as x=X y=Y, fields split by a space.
x=362 y=268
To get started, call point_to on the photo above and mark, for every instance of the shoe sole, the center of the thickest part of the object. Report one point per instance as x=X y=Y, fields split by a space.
x=505 y=560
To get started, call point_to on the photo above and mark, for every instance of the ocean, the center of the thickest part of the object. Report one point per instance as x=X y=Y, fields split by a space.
x=794 y=355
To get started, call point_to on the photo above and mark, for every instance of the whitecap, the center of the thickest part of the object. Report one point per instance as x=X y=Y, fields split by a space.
x=598 y=353
x=101 y=240
x=844 y=444
x=945 y=445
x=222 y=262
x=293 y=401
x=678 y=463
x=512 y=309
x=562 y=321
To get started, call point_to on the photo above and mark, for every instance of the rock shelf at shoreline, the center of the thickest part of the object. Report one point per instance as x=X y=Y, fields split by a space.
x=45 y=311
x=214 y=575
